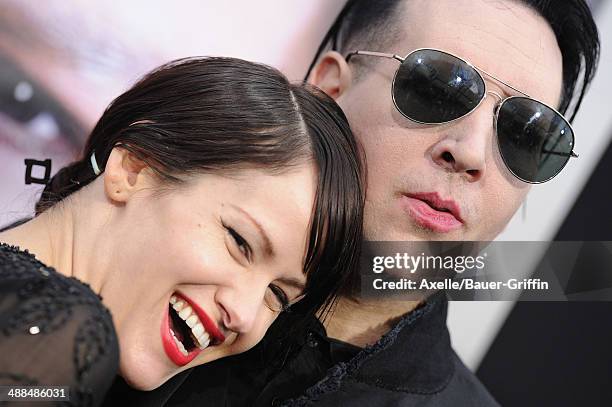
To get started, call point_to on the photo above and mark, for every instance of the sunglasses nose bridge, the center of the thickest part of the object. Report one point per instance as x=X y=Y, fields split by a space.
x=500 y=99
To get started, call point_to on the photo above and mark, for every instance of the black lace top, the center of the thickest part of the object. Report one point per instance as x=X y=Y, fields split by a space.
x=54 y=330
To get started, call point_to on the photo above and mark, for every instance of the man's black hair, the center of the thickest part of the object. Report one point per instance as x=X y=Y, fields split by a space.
x=373 y=25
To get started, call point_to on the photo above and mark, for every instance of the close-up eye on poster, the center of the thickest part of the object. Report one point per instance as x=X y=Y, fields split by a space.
x=305 y=203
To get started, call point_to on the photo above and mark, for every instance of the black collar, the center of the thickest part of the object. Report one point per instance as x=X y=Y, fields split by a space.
x=414 y=357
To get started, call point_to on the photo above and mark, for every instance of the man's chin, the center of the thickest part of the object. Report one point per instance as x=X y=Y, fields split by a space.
x=410 y=233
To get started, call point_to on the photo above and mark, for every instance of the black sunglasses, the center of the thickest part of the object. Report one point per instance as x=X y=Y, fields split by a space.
x=434 y=87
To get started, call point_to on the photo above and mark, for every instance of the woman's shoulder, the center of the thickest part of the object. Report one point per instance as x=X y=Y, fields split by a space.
x=18 y=264
x=56 y=327
x=30 y=280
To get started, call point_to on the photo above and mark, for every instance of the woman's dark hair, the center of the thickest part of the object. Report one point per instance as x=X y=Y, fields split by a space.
x=199 y=115
x=374 y=25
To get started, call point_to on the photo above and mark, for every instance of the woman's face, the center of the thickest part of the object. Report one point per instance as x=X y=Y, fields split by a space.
x=196 y=270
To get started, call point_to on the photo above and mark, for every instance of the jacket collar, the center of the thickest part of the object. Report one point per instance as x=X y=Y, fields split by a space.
x=414 y=357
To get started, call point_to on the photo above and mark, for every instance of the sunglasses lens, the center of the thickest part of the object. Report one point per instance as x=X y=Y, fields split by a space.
x=535 y=142
x=435 y=87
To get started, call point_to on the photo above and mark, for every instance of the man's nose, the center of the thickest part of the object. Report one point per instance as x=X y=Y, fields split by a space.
x=463 y=148
x=241 y=304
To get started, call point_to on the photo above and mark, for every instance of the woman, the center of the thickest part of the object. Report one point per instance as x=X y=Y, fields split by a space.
x=210 y=197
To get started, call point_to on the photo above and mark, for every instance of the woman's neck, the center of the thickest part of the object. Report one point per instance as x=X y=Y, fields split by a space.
x=53 y=238
x=49 y=237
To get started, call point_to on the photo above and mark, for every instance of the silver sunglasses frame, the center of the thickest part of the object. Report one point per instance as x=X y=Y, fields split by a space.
x=498 y=106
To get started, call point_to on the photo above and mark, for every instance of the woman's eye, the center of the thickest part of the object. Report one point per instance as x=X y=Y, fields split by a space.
x=281 y=301
x=242 y=244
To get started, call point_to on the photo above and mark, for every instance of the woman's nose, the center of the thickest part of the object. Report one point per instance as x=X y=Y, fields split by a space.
x=240 y=306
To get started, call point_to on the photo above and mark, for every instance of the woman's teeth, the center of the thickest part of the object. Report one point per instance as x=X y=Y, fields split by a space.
x=179 y=344
x=198 y=333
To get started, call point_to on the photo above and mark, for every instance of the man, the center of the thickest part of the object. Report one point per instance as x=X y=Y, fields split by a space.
x=459 y=161
x=435 y=172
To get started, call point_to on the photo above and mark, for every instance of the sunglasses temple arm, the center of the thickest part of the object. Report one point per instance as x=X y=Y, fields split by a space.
x=374 y=54
x=571 y=154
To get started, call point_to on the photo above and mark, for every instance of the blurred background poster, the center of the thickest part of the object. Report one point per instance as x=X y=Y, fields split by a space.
x=63 y=61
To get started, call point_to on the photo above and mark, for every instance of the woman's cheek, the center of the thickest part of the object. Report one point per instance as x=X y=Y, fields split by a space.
x=248 y=340
x=266 y=318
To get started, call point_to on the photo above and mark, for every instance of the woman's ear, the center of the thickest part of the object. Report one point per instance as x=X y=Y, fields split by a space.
x=124 y=174
x=331 y=74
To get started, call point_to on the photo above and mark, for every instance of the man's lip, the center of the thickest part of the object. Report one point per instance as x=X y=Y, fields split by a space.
x=434 y=200
x=420 y=208
x=210 y=327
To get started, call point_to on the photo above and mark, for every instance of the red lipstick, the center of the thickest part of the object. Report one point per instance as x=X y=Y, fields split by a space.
x=213 y=330
x=172 y=348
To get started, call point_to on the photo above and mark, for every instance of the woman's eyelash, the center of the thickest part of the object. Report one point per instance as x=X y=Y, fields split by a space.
x=243 y=245
x=281 y=295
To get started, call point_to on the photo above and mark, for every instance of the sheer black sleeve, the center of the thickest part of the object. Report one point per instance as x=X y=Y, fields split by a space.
x=54 y=330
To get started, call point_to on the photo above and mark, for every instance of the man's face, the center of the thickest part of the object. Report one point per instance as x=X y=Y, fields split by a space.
x=457 y=162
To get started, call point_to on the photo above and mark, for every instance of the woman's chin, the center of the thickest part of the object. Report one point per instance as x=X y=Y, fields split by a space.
x=143 y=383
x=140 y=376
x=143 y=370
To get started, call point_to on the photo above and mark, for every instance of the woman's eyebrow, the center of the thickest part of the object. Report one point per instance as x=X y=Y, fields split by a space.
x=293 y=282
x=267 y=244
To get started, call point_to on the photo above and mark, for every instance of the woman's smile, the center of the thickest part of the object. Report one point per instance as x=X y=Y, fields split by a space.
x=187 y=330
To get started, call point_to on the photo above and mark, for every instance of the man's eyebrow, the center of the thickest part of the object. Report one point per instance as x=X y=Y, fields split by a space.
x=267 y=244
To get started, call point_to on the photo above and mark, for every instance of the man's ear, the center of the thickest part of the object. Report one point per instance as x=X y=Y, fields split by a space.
x=124 y=174
x=331 y=74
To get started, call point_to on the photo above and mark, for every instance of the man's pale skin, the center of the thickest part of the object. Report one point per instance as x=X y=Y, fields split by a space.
x=505 y=38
